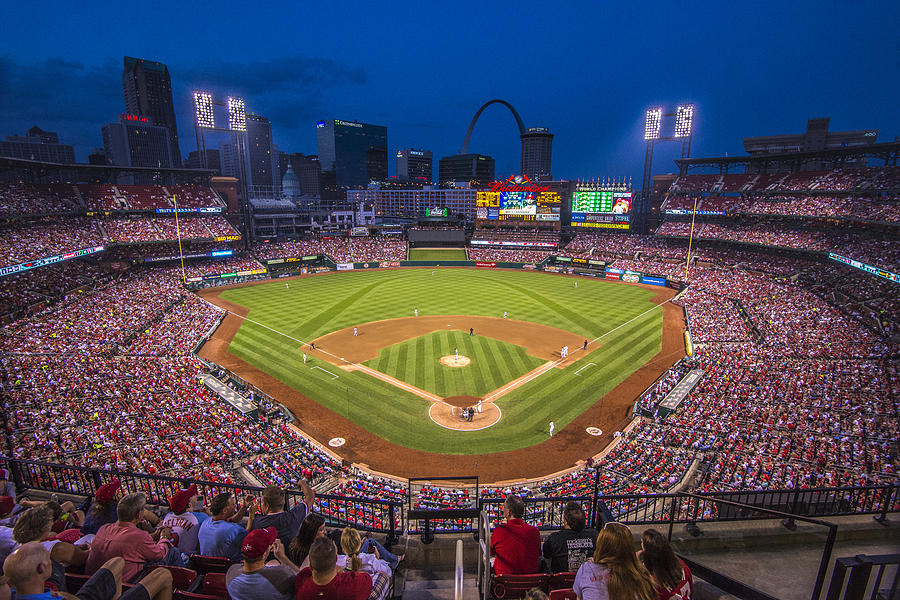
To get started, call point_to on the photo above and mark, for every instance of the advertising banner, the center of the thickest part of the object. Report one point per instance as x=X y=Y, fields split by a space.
x=652 y=280
x=610 y=275
x=48 y=260
x=345 y=266
x=385 y=265
x=485 y=264
x=631 y=277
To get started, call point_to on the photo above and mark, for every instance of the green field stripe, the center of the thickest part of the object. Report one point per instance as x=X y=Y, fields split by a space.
x=324 y=317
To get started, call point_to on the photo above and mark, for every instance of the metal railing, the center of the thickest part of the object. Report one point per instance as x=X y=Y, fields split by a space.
x=859 y=568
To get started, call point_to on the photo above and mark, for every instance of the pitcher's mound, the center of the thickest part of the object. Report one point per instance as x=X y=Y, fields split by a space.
x=451 y=360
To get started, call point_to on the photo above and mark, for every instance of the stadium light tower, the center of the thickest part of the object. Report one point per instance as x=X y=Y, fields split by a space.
x=205 y=120
x=653 y=124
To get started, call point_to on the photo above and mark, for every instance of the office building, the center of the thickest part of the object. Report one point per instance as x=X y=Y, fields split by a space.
x=204 y=159
x=466 y=167
x=262 y=156
x=415 y=165
x=306 y=168
x=135 y=141
x=37 y=144
x=148 y=93
x=355 y=152
x=412 y=204
x=537 y=149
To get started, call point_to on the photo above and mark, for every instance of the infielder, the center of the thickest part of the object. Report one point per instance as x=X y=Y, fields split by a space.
x=552 y=427
x=354 y=332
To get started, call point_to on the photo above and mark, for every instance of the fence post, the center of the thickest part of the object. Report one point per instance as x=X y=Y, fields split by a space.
x=392 y=538
x=14 y=470
x=672 y=516
x=887 y=496
x=596 y=496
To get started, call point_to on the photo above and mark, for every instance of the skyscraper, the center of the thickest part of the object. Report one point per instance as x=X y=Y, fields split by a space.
x=148 y=92
x=466 y=167
x=134 y=141
x=38 y=144
x=415 y=165
x=263 y=160
x=537 y=148
x=355 y=152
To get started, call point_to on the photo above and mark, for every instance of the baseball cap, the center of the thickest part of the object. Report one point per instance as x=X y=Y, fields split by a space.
x=179 y=501
x=4 y=474
x=106 y=491
x=257 y=542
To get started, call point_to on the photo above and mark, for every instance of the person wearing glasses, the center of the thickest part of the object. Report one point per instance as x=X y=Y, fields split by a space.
x=614 y=572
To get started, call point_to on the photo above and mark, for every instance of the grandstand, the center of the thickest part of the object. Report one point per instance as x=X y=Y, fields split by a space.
x=799 y=354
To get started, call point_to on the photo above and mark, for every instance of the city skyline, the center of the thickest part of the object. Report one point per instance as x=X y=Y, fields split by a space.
x=588 y=77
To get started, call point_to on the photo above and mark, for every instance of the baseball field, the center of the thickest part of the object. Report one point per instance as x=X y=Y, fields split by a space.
x=387 y=377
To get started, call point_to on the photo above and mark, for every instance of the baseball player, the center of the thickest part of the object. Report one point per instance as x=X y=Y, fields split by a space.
x=552 y=427
x=354 y=332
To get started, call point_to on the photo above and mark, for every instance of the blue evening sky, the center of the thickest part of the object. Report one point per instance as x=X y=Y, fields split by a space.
x=586 y=70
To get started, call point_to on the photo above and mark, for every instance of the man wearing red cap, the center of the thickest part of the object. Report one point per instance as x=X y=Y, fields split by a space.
x=103 y=509
x=252 y=579
x=183 y=520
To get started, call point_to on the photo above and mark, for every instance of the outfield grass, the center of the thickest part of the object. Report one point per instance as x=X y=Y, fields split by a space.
x=417 y=361
x=437 y=254
x=318 y=305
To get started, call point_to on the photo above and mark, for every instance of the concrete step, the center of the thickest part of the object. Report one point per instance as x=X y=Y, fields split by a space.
x=423 y=584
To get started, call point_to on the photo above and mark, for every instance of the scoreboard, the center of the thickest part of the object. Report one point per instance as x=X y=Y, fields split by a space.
x=602 y=208
x=523 y=206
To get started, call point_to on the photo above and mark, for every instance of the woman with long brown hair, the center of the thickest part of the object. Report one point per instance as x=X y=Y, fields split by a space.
x=614 y=572
x=313 y=526
x=671 y=577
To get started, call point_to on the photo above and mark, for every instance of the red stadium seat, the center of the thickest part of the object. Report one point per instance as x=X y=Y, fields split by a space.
x=182 y=578
x=209 y=564
x=516 y=586
x=568 y=594
x=561 y=581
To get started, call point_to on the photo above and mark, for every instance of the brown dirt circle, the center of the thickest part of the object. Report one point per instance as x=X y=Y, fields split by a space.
x=559 y=453
x=451 y=360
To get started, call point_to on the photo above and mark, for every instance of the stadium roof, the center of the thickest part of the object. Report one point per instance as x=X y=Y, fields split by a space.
x=888 y=152
x=95 y=172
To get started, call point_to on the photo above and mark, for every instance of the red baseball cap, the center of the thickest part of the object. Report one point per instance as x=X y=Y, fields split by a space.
x=257 y=542
x=107 y=491
x=179 y=501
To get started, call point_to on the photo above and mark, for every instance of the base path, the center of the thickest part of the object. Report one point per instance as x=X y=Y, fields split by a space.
x=562 y=451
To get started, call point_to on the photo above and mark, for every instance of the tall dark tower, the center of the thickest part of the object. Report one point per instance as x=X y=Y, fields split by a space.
x=148 y=92
x=537 y=149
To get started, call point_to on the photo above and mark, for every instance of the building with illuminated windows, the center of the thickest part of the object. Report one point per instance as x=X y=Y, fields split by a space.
x=356 y=153
x=148 y=92
x=262 y=157
x=466 y=167
x=415 y=165
x=537 y=149
x=38 y=144
x=135 y=141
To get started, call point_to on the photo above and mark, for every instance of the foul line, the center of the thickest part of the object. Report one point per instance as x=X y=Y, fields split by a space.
x=327 y=371
x=583 y=368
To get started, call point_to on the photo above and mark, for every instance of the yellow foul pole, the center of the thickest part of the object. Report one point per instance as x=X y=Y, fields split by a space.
x=687 y=264
x=178 y=235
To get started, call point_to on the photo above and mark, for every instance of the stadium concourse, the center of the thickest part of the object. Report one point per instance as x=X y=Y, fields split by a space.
x=800 y=355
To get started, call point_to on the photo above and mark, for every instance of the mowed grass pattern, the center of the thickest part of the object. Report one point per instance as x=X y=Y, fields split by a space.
x=630 y=325
x=417 y=361
x=437 y=254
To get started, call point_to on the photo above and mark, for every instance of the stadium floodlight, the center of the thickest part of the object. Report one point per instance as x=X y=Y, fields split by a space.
x=237 y=117
x=653 y=124
x=684 y=120
x=203 y=110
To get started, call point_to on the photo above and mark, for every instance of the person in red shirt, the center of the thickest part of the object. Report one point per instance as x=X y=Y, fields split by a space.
x=322 y=581
x=515 y=545
x=124 y=538
x=671 y=577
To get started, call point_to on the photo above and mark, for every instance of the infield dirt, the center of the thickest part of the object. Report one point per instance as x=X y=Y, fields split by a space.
x=559 y=453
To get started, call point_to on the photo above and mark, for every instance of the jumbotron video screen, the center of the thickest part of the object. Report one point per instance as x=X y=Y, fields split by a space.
x=608 y=209
x=526 y=206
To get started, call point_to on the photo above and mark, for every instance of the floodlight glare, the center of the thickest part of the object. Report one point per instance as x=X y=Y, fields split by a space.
x=237 y=118
x=684 y=120
x=203 y=110
x=653 y=124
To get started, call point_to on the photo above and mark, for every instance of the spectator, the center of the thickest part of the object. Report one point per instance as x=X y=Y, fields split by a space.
x=323 y=580
x=219 y=536
x=670 y=575
x=515 y=545
x=313 y=527
x=36 y=525
x=287 y=523
x=103 y=508
x=184 y=521
x=354 y=559
x=30 y=567
x=568 y=548
x=124 y=538
x=614 y=571
x=253 y=579
x=7 y=488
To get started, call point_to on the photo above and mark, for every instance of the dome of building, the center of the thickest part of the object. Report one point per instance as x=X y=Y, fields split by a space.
x=290 y=185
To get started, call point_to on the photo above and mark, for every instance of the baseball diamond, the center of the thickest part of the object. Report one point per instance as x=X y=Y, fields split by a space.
x=387 y=398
